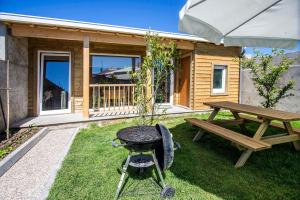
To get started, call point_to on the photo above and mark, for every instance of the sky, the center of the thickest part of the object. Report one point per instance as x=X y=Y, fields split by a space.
x=104 y=62
x=159 y=15
x=58 y=78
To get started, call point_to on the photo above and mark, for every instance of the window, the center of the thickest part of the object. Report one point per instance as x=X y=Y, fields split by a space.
x=219 y=79
x=111 y=69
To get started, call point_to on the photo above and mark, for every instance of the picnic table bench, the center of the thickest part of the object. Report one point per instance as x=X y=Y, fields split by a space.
x=264 y=117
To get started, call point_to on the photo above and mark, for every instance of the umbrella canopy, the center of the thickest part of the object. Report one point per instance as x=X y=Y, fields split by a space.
x=255 y=23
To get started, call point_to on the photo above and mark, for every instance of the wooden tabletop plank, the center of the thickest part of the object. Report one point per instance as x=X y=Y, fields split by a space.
x=254 y=110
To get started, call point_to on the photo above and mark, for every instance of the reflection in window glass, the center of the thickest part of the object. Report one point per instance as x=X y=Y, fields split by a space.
x=218 y=78
x=113 y=69
x=55 y=85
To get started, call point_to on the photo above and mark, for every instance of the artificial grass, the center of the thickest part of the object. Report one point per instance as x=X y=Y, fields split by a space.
x=202 y=170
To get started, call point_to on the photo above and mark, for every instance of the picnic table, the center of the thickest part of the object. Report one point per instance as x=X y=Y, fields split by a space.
x=243 y=113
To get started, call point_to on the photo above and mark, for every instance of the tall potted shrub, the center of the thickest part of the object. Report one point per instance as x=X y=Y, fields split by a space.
x=266 y=75
x=160 y=61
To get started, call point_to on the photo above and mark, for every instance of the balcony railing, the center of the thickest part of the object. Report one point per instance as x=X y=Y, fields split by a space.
x=112 y=97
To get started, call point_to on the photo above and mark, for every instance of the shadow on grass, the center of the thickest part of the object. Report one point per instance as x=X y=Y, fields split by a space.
x=148 y=177
x=135 y=178
x=209 y=164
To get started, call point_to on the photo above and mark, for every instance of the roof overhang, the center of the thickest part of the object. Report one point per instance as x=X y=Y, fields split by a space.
x=19 y=21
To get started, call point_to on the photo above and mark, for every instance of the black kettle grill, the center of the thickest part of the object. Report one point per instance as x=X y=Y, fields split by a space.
x=148 y=146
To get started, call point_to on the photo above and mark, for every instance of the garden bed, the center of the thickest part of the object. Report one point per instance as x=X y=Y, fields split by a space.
x=19 y=136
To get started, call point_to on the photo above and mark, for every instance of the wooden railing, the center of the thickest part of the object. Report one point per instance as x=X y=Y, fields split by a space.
x=110 y=97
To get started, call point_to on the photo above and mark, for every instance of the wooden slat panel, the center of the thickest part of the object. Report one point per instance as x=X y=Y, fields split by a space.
x=205 y=56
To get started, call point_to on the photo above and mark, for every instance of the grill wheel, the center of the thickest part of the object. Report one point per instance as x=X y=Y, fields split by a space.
x=167 y=192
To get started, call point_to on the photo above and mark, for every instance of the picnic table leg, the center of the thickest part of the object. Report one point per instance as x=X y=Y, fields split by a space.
x=290 y=131
x=200 y=132
x=243 y=158
x=198 y=136
x=262 y=129
x=237 y=117
x=213 y=114
x=259 y=133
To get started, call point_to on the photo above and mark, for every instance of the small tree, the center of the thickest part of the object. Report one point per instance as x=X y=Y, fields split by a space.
x=267 y=74
x=161 y=59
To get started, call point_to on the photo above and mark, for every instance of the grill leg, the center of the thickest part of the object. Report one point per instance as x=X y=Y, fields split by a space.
x=158 y=170
x=122 y=177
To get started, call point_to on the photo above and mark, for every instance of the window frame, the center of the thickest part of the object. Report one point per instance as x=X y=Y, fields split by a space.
x=223 y=90
x=113 y=55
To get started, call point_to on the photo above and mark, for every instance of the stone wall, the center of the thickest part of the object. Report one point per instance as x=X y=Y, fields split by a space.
x=250 y=96
x=16 y=50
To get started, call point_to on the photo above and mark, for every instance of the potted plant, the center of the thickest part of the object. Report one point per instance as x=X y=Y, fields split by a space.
x=160 y=61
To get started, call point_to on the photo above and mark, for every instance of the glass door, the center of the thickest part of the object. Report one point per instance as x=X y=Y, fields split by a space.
x=165 y=90
x=55 y=87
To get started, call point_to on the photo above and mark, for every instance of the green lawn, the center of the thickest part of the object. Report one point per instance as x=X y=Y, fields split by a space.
x=202 y=170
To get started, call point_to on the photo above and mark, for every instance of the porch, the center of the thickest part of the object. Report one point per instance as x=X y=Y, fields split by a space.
x=71 y=77
x=73 y=118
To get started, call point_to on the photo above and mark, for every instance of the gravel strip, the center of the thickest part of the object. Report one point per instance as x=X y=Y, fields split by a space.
x=32 y=176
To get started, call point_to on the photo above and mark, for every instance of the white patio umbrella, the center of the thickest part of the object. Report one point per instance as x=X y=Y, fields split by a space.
x=253 y=23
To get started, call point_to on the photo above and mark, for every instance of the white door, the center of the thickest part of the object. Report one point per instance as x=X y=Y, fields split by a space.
x=54 y=82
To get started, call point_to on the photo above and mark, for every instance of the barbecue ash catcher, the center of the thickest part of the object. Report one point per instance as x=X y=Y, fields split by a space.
x=147 y=146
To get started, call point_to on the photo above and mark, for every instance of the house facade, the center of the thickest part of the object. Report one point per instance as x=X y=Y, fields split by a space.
x=70 y=66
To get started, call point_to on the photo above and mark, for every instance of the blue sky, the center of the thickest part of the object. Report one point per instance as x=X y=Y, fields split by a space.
x=249 y=50
x=103 y=62
x=155 y=14
x=58 y=78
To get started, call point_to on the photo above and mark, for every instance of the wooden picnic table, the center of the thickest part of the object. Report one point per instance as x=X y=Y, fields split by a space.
x=246 y=113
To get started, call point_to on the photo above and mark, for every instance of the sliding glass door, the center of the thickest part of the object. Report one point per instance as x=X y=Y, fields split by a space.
x=165 y=89
x=55 y=82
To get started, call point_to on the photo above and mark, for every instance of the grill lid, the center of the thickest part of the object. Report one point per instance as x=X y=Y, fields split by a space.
x=139 y=134
x=165 y=152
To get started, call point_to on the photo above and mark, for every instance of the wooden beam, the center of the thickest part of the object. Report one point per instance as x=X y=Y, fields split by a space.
x=262 y=129
x=280 y=138
x=228 y=122
x=199 y=135
x=290 y=131
x=86 y=76
x=246 y=154
x=74 y=34
x=213 y=114
x=248 y=118
x=244 y=157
